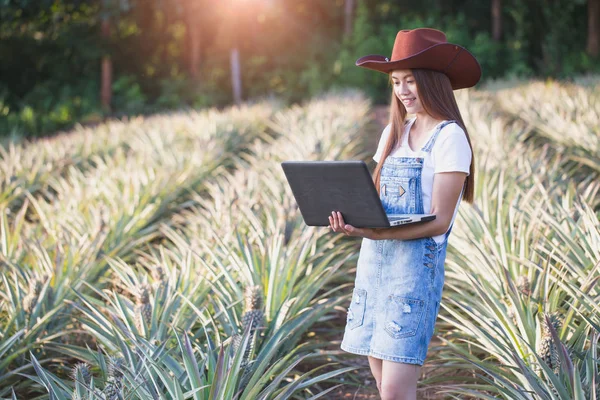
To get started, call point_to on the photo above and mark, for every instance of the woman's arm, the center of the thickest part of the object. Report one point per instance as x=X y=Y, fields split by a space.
x=446 y=190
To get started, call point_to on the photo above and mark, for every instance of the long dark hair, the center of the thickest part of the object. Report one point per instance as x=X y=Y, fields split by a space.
x=437 y=97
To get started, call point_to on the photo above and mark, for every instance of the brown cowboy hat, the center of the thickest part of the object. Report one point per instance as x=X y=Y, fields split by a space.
x=428 y=48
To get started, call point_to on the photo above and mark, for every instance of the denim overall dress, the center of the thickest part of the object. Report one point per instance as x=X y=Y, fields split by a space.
x=398 y=285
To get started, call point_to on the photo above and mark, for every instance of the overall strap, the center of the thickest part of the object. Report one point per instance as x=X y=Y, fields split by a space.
x=448 y=233
x=429 y=145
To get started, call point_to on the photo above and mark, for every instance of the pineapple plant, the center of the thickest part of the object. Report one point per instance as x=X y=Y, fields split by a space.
x=121 y=211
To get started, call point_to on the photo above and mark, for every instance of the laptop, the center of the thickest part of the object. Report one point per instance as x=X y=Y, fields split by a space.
x=321 y=187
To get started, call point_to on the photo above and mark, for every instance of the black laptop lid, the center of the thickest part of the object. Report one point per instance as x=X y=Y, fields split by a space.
x=321 y=187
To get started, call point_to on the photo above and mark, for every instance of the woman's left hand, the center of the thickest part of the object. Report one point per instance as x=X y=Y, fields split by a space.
x=337 y=224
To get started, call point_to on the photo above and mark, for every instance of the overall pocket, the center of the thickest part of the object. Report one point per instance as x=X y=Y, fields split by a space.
x=403 y=316
x=356 y=311
x=398 y=195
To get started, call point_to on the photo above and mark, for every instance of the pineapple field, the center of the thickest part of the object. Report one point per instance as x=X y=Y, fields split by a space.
x=164 y=257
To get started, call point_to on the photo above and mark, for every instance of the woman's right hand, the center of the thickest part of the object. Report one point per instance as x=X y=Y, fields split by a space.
x=337 y=224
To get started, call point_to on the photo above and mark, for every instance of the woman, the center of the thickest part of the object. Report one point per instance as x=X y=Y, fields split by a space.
x=425 y=165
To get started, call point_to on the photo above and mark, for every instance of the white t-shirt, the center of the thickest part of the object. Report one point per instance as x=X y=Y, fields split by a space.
x=451 y=152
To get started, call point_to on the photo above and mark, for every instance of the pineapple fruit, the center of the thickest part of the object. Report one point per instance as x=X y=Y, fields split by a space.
x=82 y=377
x=253 y=304
x=523 y=285
x=547 y=349
x=30 y=300
x=81 y=373
x=143 y=308
x=252 y=319
x=113 y=390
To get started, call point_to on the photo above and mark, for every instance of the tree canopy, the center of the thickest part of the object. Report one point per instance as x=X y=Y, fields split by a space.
x=157 y=54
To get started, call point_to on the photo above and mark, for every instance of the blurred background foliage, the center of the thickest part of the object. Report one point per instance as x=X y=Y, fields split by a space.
x=165 y=54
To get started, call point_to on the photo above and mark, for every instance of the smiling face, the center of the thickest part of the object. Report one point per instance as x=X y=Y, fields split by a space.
x=405 y=88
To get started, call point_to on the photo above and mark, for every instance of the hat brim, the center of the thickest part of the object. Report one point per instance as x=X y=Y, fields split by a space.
x=461 y=67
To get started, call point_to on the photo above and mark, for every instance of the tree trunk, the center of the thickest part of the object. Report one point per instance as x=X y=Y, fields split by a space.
x=192 y=41
x=236 y=76
x=593 y=38
x=348 y=11
x=106 y=70
x=497 y=20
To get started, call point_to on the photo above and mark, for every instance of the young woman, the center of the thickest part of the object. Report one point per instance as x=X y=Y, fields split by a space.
x=425 y=165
